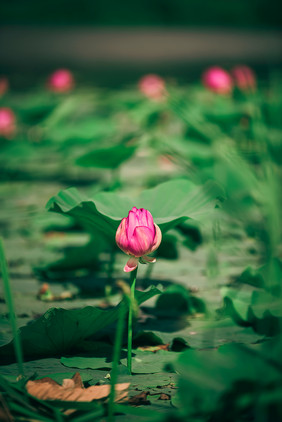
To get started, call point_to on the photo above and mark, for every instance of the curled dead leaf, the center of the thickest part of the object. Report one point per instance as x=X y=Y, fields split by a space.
x=164 y=396
x=45 y=294
x=139 y=399
x=73 y=390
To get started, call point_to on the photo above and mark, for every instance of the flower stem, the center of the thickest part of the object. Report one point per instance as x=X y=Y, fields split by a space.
x=116 y=357
x=11 y=308
x=133 y=276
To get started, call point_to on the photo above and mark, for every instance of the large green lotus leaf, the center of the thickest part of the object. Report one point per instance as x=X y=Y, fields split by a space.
x=82 y=362
x=143 y=362
x=59 y=330
x=170 y=204
x=176 y=301
x=257 y=309
x=168 y=247
x=206 y=375
x=102 y=213
x=109 y=158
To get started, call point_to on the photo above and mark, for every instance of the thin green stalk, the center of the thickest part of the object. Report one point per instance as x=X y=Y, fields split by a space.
x=58 y=415
x=133 y=276
x=11 y=308
x=116 y=357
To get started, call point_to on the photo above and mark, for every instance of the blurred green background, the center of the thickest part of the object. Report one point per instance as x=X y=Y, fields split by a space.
x=239 y=13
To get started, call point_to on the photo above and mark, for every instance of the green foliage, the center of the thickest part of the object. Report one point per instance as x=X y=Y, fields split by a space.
x=183 y=148
x=176 y=301
x=168 y=247
x=257 y=309
x=249 y=374
x=147 y=362
x=109 y=158
x=192 y=234
x=60 y=330
x=142 y=362
x=105 y=210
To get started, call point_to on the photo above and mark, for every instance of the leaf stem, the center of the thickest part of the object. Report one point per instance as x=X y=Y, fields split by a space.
x=11 y=309
x=133 y=276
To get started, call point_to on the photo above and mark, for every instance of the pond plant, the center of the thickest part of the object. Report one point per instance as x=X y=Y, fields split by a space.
x=192 y=182
x=137 y=236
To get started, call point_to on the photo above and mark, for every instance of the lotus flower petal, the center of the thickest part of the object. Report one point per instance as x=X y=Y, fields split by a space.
x=149 y=259
x=131 y=264
x=132 y=222
x=157 y=239
x=141 y=241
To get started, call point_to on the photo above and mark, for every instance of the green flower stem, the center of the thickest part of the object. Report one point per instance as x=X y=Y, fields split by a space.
x=116 y=357
x=11 y=308
x=133 y=276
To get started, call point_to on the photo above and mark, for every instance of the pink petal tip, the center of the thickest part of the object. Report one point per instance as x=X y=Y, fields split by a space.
x=131 y=264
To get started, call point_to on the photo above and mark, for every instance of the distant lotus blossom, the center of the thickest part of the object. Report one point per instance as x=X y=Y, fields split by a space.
x=152 y=86
x=61 y=80
x=4 y=85
x=244 y=78
x=138 y=235
x=217 y=80
x=7 y=122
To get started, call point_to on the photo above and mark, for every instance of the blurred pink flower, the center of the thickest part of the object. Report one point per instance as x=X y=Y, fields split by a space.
x=152 y=86
x=217 y=80
x=138 y=235
x=244 y=78
x=61 y=80
x=4 y=85
x=7 y=122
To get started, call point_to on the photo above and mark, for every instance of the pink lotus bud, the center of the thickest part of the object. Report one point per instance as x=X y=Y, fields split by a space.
x=138 y=235
x=7 y=122
x=4 y=86
x=244 y=78
x=61 y=80
x=217 y=80
x=152 y=86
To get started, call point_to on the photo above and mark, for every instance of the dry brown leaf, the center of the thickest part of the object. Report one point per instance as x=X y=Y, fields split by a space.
x=54 y=235
x=73 y=390
x=5 y=415
x=154 y=349
x=46 y=295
